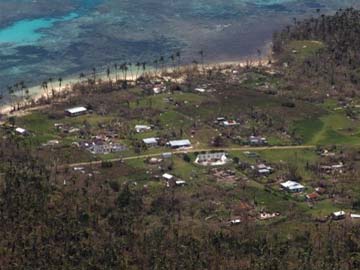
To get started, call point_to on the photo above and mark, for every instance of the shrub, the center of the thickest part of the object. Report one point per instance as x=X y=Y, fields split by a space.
x=114 y=186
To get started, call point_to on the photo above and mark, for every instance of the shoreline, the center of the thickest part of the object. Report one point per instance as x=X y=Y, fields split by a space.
x=37 y=92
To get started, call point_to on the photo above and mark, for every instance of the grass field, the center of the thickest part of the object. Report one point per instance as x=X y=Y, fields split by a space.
x=301 y=49
x=333 y=128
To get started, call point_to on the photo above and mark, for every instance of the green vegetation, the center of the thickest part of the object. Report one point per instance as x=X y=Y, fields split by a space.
x=134 y=207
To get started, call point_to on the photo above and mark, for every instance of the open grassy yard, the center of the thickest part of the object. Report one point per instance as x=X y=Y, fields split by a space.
x=333 y=128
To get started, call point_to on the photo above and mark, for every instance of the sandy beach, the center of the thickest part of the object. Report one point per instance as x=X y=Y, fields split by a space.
x=37 y=92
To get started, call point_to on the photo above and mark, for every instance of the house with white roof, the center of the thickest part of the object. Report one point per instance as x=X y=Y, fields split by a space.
x=167 y=176
x=212 y=159
x=21 y=131
x=151 y=141
x=235 y=221
x=166 y=155
x=179 y=144
x=200 y=90
x=180 y=182
x=229 y=123
x=292 y=186
x=76 y=111
x=338 y=215
x=262 y=169
x=257 y=140
x=142 y=128
x=355 y=216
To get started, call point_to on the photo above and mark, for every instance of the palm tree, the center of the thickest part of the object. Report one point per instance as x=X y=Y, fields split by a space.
x=52 y=88
x=44 y=86
x=116 y=71
x=125 y=71
x=81 y=76
x=138 y=69
x=172 y=58
x=144 y=67
x=11 y=93
x=201 y=53
x=108 y=74
x=131 y=70
x=16 y=87
x=22 y=88
x=60 y=83
x=162 y=62
x=178 y=56
x=259 y=56
x=156 y=63
x=10 y=90
x=27 y=94
x=94 y=74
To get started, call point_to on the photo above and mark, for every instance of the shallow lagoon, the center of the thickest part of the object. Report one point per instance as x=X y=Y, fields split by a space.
x=57 y=38
x=25 y=32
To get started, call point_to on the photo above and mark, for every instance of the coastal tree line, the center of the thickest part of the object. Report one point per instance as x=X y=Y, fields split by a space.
x=119 y=74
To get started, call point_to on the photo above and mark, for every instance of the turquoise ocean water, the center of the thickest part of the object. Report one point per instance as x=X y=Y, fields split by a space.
x=40 y=40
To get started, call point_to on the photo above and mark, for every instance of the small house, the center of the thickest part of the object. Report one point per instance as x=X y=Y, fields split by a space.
x=312 y=196
x=151 y=141
x=179 y=144
x=212 y=159
x=235 y=221
x=200 y=90
x=180 y=183
x=104 y=148
x=153 y=161
x=142 y=128
x=229 y=123
x=21 y=131
x=320 y=190
x=262 y=169
x=338 y=215
x=157 y=90
x=292 y=186
x=76 y=111
x=355 y=216
x=167 y=176
x=166 y=155
x=220 y=120
x=256 y=140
